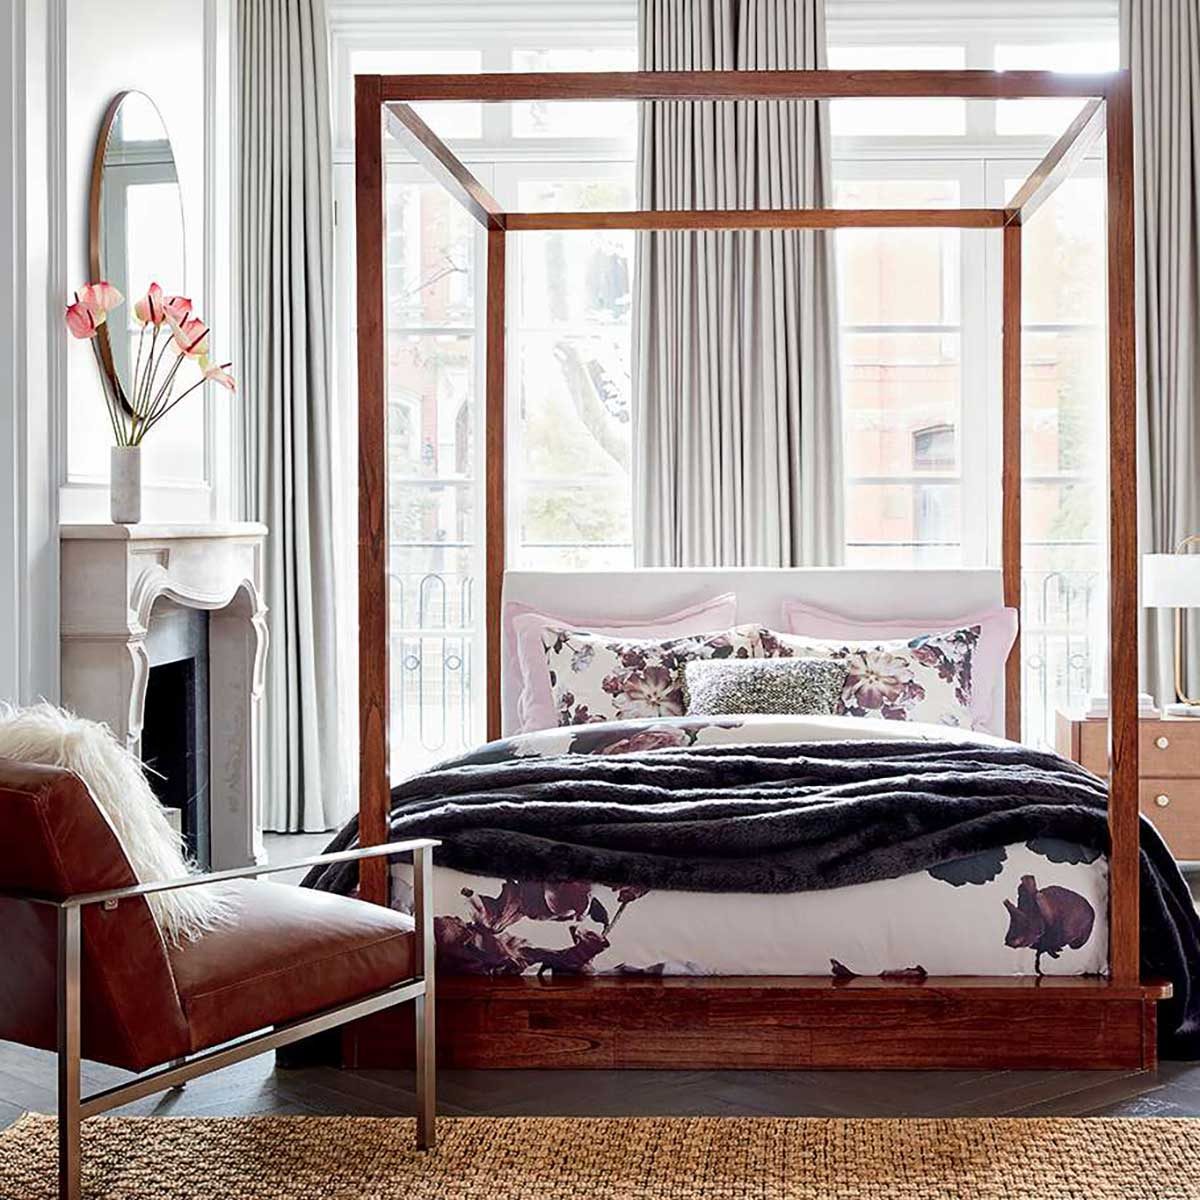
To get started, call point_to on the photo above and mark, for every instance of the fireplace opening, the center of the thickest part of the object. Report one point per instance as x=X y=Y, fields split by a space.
x=175 y=731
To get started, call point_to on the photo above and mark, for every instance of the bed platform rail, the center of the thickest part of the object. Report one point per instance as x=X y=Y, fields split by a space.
x=779 y=1022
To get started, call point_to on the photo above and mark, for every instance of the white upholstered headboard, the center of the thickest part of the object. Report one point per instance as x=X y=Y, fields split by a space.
x=649 y=592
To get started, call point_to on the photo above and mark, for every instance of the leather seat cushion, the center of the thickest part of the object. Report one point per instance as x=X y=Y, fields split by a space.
x=291 y=953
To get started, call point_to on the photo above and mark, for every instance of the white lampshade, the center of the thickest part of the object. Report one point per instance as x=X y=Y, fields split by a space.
x=1171 y=580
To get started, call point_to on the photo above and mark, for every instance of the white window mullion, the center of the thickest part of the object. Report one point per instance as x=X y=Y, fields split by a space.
x=980 y=389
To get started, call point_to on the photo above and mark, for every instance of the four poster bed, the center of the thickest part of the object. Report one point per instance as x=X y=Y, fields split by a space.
x=1102 y=1016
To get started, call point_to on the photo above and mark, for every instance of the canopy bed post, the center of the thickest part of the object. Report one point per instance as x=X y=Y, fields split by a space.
x=1123 y=823
x=373 y=609
x=1010 y=468
x=494 y=497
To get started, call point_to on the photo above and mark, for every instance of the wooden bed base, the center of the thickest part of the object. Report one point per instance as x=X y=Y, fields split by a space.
x=776 y=1023
x=753 y=1021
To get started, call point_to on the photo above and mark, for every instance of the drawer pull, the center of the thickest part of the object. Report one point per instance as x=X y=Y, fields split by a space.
x=1162 y=800
x=1162 y=742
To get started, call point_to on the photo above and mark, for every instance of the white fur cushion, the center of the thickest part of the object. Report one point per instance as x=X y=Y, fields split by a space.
x=52 y=737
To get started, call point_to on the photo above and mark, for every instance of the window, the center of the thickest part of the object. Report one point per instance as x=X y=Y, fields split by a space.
x=1064 y=443
x=935 y=448
x=582 y=119
x=1049 y=116
x=902 y=345
x=897 y=118
x=569 y=306
x=572 y=383
x=920 y=336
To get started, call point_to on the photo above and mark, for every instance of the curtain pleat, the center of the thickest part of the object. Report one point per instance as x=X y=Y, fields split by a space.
x=737 y=421
x=285 y=226
x=1161 y=45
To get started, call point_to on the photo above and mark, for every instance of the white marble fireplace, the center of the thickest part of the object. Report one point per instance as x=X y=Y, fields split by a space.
x=137 y=596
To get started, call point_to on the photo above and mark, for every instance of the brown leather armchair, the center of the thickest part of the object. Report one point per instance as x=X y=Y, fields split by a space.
x=95 y=979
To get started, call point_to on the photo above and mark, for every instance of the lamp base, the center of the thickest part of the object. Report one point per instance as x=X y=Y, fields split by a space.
x=1182 y=709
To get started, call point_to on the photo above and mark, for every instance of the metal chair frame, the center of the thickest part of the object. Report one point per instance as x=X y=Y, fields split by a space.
x=74 y=1108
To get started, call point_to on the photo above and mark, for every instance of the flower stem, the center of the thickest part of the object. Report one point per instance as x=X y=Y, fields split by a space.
x=137 y=370
x=161 y=404
x=108 y=402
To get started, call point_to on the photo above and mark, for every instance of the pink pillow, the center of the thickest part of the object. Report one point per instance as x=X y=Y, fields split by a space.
x=526 y=656
x=998 y=632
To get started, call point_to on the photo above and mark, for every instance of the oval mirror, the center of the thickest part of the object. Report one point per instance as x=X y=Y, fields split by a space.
x=135 y=220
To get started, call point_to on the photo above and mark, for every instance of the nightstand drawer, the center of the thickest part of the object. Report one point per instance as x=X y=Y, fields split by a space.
x=1173 y=806
x=1167 y=748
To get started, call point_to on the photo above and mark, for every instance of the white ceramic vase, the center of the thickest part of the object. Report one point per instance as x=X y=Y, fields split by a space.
x=125 y=485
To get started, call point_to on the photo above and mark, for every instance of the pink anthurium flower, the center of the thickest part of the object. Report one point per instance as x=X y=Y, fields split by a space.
x=191 y=336
x=99 y=299
x=81 y=321
x=149 y=309
x=151 y=394
x=177 y=307
x=215 y=374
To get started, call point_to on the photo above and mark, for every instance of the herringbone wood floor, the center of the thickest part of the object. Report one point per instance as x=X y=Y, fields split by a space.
x=27 y=1082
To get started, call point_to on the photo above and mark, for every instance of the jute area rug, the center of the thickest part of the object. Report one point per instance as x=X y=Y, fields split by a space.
x=661 y=1158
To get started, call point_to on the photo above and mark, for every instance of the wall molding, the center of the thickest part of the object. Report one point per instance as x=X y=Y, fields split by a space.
x=12 y=386
x=219 y=148
x=31 y=117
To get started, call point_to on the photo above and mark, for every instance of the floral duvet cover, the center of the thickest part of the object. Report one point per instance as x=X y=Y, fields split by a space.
x=1033 y=906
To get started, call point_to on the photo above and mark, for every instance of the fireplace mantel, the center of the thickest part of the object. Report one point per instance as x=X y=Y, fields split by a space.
x=113 y=577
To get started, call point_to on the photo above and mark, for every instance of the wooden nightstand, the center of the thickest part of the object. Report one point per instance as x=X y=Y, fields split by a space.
x=1169 y=775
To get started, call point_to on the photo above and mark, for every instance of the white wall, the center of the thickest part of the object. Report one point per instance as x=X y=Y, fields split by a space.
x=29 y=401
x=67 y=58
x=168 y=49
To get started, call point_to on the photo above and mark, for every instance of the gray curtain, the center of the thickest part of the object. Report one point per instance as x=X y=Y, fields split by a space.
x=285 y=227
x=1161 y=41
x=738 y=430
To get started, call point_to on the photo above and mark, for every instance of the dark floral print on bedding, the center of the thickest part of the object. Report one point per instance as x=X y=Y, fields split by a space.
x=1057 y=850
x=635 y=738
x=925 y=678
x=598 y=677
x=842 y=974
x=975 y=869
x=1047 y=920
x=482 y=945
x=607 y=737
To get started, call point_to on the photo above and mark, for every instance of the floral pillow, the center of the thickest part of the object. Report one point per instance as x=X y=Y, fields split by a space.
x=602 y=677
x=925 y=678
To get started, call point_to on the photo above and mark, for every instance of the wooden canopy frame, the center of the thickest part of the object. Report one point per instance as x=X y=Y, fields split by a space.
x=1107 y=1022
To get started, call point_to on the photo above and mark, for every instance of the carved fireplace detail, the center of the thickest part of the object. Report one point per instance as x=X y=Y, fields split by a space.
x=124 y=586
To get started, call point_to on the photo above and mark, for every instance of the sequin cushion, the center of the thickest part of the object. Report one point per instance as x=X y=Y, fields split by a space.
x=806 y=686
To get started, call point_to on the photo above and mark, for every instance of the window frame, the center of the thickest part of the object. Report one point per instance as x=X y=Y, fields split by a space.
x=984 y=157
x=506 y=181
x=978 y=426
x=497 y=159
x=975 y=158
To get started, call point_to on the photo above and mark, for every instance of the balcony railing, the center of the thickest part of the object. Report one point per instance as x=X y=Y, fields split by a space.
x=1061 y=645
x=436 y=701
x=432 y=684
